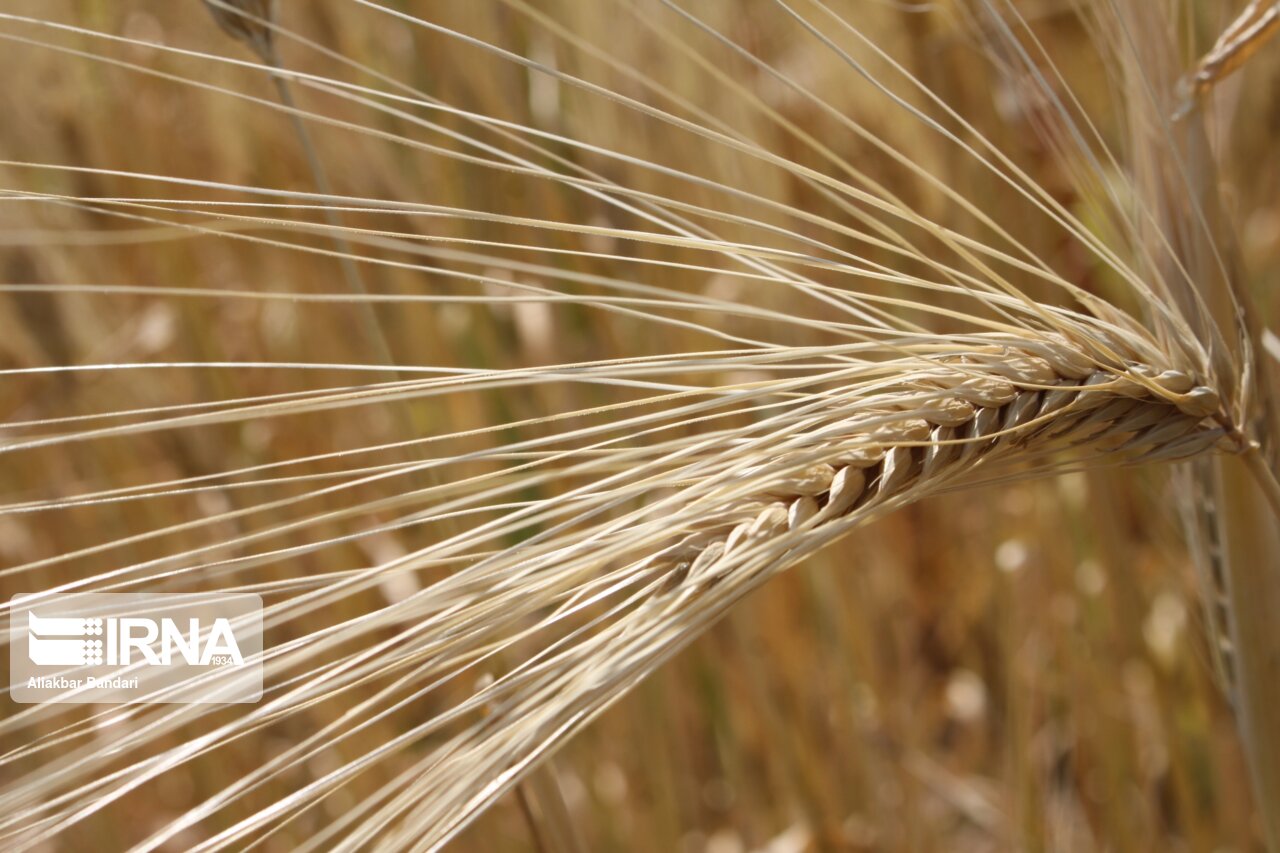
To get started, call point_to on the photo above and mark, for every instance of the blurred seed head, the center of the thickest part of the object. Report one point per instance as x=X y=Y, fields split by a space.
x=244 y=20
x=1011 y=556
x=1163 y=627
x=966 y=696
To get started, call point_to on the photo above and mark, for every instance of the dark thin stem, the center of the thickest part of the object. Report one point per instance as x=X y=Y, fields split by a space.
x=350 y=272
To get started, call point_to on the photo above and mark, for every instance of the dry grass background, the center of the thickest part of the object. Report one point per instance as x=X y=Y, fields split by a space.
x=1018 y=667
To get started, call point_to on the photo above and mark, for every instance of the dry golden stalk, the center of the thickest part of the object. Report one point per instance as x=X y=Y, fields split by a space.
x=1248 y=508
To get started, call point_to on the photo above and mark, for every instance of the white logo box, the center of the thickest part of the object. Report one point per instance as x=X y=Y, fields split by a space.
x=135 y=647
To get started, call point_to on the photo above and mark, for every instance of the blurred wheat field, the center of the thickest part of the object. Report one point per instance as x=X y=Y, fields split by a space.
x=1022 y=665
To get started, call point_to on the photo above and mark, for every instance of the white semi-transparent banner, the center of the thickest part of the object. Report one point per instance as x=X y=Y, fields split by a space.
x=135 y=647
